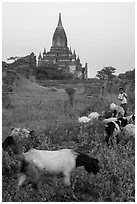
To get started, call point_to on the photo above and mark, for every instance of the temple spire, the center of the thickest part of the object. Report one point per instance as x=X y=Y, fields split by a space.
x=59 y=22
x=59 y=38
x=44 y=52
x=74 y=54
x=78 y=60
x=39 y=57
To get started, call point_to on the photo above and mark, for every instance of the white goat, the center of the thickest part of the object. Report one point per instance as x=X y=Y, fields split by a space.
x=105 y=121
x=119 y=111
x=94 y=116
x=84 y=119
x=129 y=130
x=128 y=134
x=54 y=162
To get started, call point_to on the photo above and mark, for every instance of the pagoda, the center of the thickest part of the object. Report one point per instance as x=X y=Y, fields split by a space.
x=61 y=55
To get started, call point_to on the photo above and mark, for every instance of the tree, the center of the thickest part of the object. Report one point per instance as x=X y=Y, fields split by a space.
x=107 y=73
x=129 y=75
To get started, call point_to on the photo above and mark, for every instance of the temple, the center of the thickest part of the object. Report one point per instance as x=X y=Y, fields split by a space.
x=61 y=55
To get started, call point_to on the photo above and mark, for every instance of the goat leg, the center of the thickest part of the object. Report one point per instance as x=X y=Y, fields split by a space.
x=37 y=186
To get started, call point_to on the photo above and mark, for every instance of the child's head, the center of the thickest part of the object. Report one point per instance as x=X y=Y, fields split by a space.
x=121 y=90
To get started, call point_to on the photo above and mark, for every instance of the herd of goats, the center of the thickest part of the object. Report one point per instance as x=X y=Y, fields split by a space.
x=114 y=122
x=62 y=162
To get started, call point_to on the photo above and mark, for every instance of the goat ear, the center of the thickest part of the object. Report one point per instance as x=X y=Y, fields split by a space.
x=12 y=128
x=8 y=142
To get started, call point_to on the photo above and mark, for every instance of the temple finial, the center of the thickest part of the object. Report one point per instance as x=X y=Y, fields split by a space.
x=60 y=22
x=78 y=60
x=44 y=52
x=39 y=57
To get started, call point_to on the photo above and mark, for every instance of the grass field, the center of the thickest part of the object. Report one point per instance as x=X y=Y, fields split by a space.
x=47 y=110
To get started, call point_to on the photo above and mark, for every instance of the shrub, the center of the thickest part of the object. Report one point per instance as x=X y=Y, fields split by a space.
x=70 y=91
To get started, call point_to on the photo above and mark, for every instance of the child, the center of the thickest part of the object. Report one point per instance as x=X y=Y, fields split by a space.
x=123 y=100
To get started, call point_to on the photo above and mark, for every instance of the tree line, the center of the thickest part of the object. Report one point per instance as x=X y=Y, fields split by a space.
x=108 y=74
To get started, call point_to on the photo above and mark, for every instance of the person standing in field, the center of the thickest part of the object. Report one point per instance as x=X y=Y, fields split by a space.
x=123 y=100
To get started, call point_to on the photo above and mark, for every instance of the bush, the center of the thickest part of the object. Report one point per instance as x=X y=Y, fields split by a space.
x=70 y=91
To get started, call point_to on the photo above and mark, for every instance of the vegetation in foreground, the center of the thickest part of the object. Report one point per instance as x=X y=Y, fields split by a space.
x=48 y=111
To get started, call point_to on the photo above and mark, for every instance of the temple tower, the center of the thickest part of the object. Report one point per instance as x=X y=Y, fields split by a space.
x=60 y=55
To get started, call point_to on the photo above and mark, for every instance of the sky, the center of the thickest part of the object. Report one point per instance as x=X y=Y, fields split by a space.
x=102 y=34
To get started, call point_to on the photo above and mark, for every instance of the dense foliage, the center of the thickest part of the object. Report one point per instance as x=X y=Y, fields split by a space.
x=115 y=183
x=129 y=75
x=52 y=72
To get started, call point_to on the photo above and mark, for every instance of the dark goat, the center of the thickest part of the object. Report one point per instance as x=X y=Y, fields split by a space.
x=15 y=141
x=112 y=130
x=122 y=121
x=9 y=144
